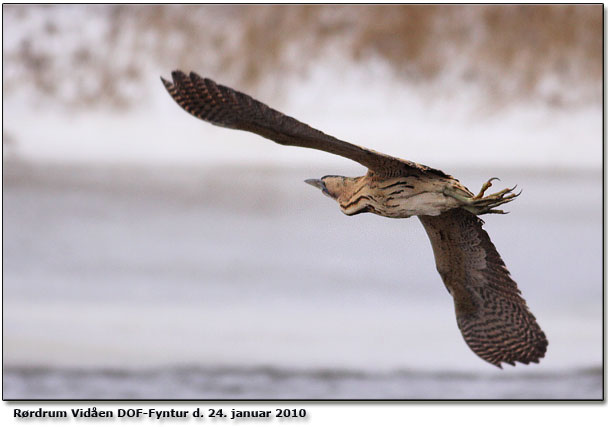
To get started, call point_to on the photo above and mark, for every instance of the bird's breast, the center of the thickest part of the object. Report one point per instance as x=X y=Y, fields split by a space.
x=431 y=203
x=400 y=198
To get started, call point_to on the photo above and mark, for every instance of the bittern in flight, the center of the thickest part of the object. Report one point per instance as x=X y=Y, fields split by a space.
x=492 y=316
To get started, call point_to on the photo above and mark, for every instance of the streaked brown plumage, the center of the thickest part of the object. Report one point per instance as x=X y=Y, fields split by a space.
x=492 y=316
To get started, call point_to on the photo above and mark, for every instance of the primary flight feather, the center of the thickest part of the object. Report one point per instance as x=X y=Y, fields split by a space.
x=493 y=317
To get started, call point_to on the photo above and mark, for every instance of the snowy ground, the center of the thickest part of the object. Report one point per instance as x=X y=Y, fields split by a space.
x=377 y=112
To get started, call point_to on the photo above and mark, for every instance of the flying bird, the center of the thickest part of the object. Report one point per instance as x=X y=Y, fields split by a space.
x=491 y=314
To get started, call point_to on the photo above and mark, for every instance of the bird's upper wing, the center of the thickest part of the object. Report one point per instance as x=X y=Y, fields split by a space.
x=492 y=316
x=226 y=107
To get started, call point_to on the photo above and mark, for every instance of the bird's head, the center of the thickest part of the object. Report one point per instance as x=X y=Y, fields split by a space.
x=339 y=188
x=332 y=186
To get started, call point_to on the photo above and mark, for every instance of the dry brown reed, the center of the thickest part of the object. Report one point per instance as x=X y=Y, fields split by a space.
x=507 y=50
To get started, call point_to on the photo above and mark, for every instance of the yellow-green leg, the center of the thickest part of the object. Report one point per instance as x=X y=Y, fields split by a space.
x=479 y=204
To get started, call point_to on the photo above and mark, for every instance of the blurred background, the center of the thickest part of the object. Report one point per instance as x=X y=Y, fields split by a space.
x=150 y=255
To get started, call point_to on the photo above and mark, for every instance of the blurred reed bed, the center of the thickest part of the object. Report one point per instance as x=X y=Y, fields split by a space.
x=100 y=55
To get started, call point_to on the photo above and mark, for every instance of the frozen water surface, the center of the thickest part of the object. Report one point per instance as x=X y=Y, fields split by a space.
x=242 y=281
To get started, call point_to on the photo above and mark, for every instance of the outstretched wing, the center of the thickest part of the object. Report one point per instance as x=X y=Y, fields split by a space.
x=492 y=316
x=226 y=107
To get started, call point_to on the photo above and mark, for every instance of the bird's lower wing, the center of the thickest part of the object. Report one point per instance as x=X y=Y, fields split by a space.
x=226 y=107
x=492 y=316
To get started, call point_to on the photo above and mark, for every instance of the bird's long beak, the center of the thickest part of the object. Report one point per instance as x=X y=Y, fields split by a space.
x=316 y=183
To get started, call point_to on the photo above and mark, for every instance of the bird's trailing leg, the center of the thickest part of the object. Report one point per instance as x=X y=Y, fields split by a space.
x=484 y=187
x=479 y=204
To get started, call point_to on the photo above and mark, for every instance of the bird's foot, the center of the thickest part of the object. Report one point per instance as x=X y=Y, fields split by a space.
x=484 y=187
x=480 y=205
